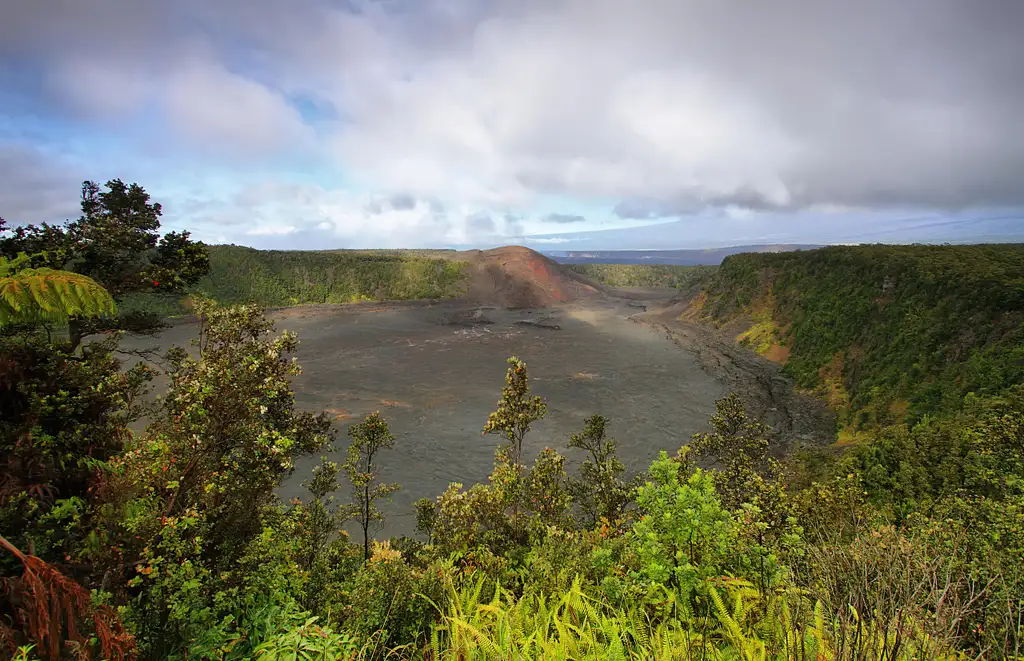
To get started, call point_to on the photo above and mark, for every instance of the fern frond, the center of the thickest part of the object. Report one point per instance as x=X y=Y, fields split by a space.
x=50 y=607
x=45 y=294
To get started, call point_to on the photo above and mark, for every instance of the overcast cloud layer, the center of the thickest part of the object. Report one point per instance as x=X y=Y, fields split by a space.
x=438 y=122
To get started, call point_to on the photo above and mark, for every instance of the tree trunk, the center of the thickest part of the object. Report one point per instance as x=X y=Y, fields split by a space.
x=366 y=525
x=75 y=333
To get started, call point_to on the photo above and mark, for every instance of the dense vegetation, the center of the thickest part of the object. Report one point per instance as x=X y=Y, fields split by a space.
x=115 y=243
x=291 y=277
x=644 y=275
x=890 y=333
x=168 y=542
x=279 y=278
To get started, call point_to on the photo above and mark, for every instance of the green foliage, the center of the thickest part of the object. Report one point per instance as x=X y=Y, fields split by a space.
x=115 y=242
x=599 y=492
x=919 y=348
x=192 y=536
x=322 y=542
x=64 y=416
x=951 y=488
x=920 y=325
x=482 y=516
x=645 y=275
x=369 y=437
x=390 y=600
x=503 y=515
x=426 y=517
x=293 y=277
x=685 y=535
x=573 y=624
x=977 y=452
x=517 y=504
x=24 y=653
x=546 y=490
x=749 y=484
x=308 y=641
x=517 y=409
x=30 y=295
x=741 y=444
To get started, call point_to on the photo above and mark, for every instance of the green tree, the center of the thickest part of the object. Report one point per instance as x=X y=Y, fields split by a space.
x=369 y=437
x=750 y=486
x=320 y=520
x=116 y=243
x=546 y=490
x=517 y=410
x=599 y=492
x=482 y=516
x=741 y=445
x=294 y=277
x=426 y=517
x=684 y=535
x=64 y=416
x=193 y=537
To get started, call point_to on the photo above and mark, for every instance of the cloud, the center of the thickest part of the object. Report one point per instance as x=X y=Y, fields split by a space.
x=513 y=226
x=564 y=218
x=411 y=117
x=303 y=215
x=692 y=104
x=480 y=223
x=275 y=230
x=402 y=202
x=209 y=105
x=35 y=187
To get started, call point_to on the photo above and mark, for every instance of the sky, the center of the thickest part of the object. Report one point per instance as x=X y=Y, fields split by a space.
x=590 y=124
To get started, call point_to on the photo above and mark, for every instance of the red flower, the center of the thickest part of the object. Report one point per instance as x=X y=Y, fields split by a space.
x=156 y=284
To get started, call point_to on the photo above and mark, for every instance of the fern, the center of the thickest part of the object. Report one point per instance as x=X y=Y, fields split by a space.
x=49 y=609
x=44 y=294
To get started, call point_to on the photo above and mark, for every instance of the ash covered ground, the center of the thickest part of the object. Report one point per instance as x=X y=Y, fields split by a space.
x=435 y=371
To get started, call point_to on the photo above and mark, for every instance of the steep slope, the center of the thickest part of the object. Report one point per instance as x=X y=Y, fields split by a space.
x=885 y=333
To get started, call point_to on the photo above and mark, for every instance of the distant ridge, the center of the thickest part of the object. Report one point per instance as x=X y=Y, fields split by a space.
x=706 y=257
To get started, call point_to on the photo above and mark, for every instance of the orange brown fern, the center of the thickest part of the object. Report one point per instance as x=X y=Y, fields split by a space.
x=48 y=608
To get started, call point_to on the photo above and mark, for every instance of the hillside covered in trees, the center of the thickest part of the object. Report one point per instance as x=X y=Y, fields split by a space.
x=644 y=275
x=291 y=277
x=889 y=334
x=167 y=540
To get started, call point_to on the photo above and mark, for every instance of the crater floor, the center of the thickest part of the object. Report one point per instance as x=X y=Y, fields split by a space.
x=436 y=371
